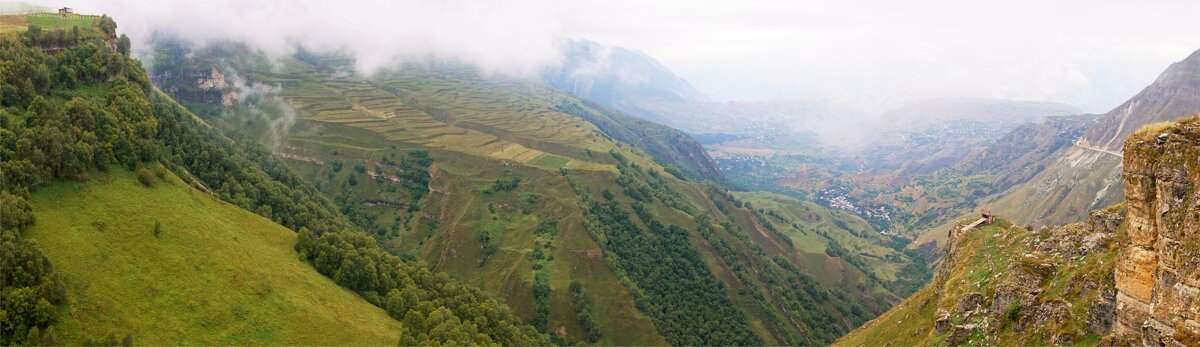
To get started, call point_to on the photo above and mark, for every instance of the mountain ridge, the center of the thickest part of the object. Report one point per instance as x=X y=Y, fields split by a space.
x=1173 y=95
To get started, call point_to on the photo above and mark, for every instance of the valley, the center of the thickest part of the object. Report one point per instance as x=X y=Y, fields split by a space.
x=294 y=174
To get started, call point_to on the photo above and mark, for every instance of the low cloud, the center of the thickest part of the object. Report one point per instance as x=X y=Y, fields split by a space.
x=508 y=37
x=876 y=54
x=260 y=103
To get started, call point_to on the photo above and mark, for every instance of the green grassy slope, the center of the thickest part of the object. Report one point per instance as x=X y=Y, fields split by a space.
x=216 y=274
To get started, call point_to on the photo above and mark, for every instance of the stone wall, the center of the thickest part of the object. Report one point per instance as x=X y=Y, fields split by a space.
x=1158 y=271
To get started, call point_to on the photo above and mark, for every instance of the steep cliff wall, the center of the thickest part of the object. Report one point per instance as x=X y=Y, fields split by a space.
x=1158 y=272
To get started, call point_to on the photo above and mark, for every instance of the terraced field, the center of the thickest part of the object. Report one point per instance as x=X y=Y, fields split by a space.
x=482 y=123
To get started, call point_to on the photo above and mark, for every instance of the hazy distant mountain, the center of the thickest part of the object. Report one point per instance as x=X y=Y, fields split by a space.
x=975 y=109
x=617 y=76
x=1175 y=94
x=916 y=132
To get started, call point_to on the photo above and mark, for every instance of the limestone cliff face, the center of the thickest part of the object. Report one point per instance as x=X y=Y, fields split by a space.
x=1158 y=271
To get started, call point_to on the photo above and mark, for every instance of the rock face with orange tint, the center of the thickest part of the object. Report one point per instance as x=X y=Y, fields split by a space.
x=1158 y=271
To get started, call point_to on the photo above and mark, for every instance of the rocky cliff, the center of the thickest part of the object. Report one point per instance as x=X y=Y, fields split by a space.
x=1158 y=272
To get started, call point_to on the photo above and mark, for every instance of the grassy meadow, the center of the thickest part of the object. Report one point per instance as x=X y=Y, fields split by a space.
x=215 y=274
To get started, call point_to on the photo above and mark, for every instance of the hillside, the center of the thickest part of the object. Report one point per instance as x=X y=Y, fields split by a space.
x=75 y=107
x=234 y=272
x=530 y=192
x=1001 y=284
x=1125 y=277
x=816 y=231
x=969 y=185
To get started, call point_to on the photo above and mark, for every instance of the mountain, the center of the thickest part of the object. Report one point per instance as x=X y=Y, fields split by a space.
x=638 y=85
x=677 y=151
x=619 y=77
x=1080 y=173
x=89 y=257
x=929 y=135
x=1088 y=175
x=1174 y=94
x=551 y=202
x=1125 y=277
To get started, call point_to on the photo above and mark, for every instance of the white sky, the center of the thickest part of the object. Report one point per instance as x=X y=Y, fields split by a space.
x=1090 y=53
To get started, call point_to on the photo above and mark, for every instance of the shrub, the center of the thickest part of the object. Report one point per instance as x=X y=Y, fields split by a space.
x=161 y=173
x=15 y=211
x=146 y=177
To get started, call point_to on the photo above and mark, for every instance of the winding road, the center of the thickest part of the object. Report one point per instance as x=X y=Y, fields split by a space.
x=1084 y=144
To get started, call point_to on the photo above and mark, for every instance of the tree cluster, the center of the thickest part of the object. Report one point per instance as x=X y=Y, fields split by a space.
x=583 y=310
x=50 y=130
x=435 y=309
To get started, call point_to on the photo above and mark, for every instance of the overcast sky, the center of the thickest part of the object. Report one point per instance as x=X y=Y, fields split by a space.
x=1090 y=53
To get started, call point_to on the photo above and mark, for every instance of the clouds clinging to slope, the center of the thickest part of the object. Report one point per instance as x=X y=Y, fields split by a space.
x=512 y=37
x=1090 y=53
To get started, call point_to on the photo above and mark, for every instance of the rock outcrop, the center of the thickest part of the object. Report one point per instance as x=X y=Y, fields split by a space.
x=1158 y=271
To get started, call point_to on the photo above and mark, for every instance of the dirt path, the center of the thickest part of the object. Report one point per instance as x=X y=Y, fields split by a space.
x=1085 y=145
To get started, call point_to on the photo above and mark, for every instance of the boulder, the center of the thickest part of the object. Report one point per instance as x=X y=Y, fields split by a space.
x=942 y=323
x=968 y=304
x=960 y=334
